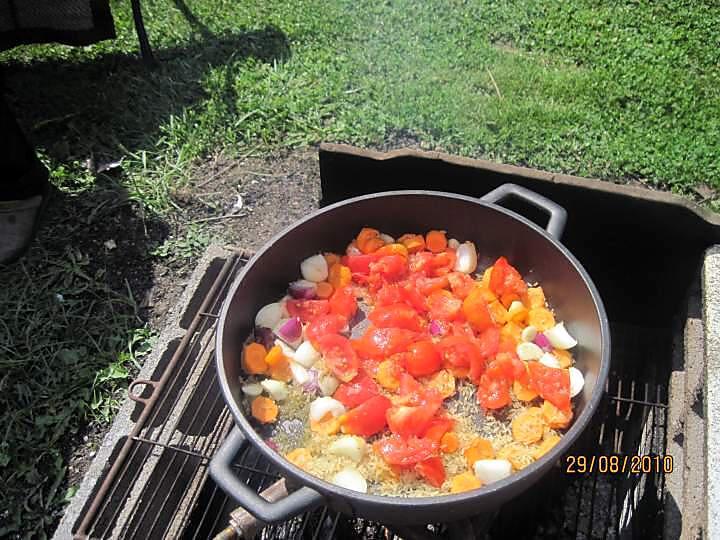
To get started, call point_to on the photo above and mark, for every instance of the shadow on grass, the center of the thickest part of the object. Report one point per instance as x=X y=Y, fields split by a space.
x=113 y=104
x=72 y=330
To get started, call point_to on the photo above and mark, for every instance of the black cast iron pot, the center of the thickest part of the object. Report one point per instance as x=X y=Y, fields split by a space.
x=496 y=231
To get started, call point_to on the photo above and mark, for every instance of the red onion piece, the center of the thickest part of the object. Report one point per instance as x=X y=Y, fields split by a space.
x=290 y=331
x=437 y=328
x=272 y=444
x=312 y=387
x=264 y=336
x=303 y=289
x=543 y=342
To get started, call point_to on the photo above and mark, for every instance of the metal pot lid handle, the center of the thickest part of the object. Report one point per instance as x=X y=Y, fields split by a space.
x=558 y=215
x=222 y=473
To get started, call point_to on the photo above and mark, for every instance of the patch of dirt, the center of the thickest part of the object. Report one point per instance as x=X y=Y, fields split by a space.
x=275 y=191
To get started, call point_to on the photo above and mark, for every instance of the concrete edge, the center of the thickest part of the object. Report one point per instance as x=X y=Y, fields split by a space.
x=606 y=186
x=711 y=316
x=122 y=424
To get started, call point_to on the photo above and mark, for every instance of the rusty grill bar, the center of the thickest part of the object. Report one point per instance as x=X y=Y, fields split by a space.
x=158 y=485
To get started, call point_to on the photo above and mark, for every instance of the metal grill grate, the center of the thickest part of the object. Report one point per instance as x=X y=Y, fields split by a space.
x=160 y=487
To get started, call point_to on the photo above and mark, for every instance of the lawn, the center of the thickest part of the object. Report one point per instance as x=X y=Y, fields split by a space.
x=622 y=91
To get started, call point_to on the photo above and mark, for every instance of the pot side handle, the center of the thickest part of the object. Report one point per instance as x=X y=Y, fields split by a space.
x=222 y=473
x=558 y=215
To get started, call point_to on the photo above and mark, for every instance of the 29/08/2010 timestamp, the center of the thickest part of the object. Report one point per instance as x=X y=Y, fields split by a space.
x=641 y=464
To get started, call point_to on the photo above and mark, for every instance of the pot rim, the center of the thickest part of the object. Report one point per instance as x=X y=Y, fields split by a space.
x=531 y=471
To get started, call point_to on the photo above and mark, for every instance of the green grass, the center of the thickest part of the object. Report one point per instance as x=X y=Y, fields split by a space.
x=615 y=90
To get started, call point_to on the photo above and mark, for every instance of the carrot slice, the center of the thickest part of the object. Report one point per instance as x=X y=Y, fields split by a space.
x=392 y=249
x=327 y=425
x=436 y=241
x=518 y=455
x=556 y=418
x=464 y=482
x=536 y=297
x=339 y=276
x=253 y=359
x=541 y=318
x=324 y=290
x=331 y=258
x=300 y=457
x=264 y=409
x=545 y=446
x=449 y=443
x=413 y=242
x=564 y=357
x=444 y=382
x=528 y=426
x=523 y=393
x=369 y=241
x=479 y=449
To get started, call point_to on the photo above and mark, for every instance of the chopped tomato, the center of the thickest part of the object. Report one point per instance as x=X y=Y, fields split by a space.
x=509 y=367
x=421 y=262
x=360 y=264
x=443 y=305
x=323 y=325
x=553 y=384
x=432 y=470
x=426 y=285
x=390 y=294
x=489 y=342
x=398 y=451
x=505 y=279
x=460 y=328
x=409 y=385
x=379 y=343
x=343 y=302
x=357 y=391
x=507 y=344
x=443 y=263
x=339 y=356
x=437 y=428
x=423 y=359
x=307 y=310
x=476 y=310
x=493 y=393
x=414 y=298
x=409 y=421
x=390 y=267
x=460 y=284
x=459 y=351
x=396 y=316
x=367 y=419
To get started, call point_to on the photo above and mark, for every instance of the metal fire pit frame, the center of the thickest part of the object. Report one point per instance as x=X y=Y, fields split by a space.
x=318 y=525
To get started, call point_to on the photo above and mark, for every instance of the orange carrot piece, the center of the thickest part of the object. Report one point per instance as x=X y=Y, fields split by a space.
x=369 y=241
x=331 y=258
x=388 y=374
x=392 y=249
x=528 y=426
x=339 y=276
x=449 y=443
x=324 y=290
x=413 y=242
x=327 y=425
x=541 y=318
x=523 y=393
x=536 y=297
x=479 y=449
x=444 y=382
x=253 y=359
x=300 y=457
x=436 y=241
x=466 y=481
x=274 y=355
x=564 y=357
x=556 y=418
x=264 y=409
x=281 y=371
